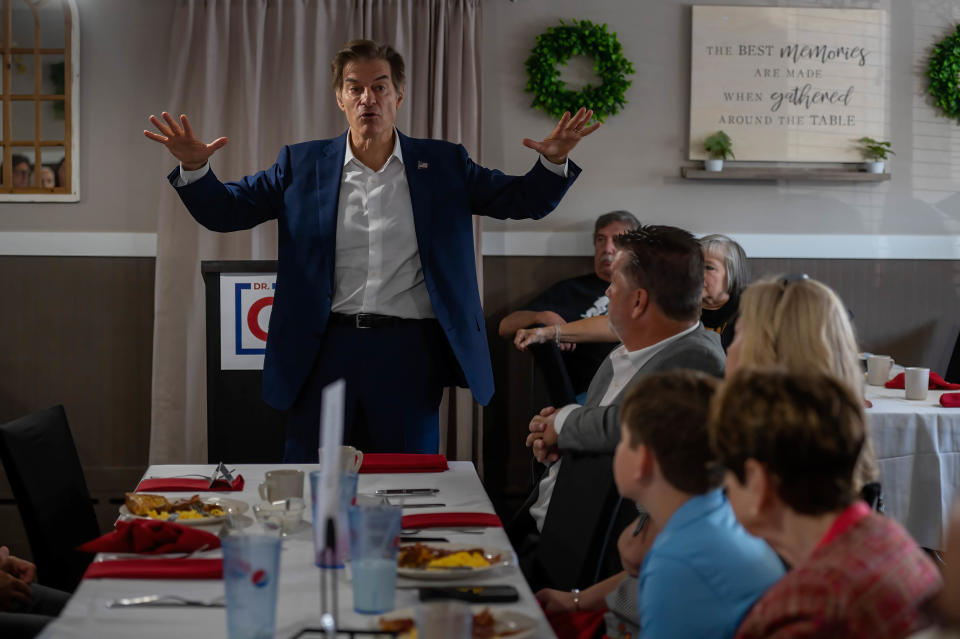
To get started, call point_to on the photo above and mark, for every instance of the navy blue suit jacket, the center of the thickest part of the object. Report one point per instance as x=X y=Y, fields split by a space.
x=301 y=191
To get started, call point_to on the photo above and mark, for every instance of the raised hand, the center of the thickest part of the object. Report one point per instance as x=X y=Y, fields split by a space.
x=181 y=141
x=568 y=132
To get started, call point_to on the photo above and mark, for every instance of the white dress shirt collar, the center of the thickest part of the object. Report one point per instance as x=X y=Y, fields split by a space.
x=397 y=153
x=626 y=363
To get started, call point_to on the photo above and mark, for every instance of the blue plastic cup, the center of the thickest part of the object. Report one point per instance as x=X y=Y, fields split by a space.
x=251 y=572
x=374 y=537
x=348 y=495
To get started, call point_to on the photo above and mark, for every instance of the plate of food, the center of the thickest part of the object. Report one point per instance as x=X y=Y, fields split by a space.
x=448 y=561
x=487 y=624
x=189 y=512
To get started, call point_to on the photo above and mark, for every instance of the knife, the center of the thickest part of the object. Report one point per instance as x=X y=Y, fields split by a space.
x=166 y=601
x=406 y=539
x=422 y=505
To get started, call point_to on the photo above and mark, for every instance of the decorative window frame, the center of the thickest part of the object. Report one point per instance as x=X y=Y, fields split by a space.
x=71 y=106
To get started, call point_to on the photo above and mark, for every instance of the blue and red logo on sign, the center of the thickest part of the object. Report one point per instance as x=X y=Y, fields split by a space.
x=252 y=322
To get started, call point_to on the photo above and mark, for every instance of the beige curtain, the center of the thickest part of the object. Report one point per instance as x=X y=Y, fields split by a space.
x=257 y=71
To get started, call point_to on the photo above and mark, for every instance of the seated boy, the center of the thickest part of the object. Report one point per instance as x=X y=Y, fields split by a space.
x=704 y=571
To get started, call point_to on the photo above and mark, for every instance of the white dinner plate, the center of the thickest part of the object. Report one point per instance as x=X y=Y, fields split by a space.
x=506 y=559
x=508 y=624
x=236 y=506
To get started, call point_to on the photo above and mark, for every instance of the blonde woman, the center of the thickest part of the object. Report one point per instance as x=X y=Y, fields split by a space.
x=801 y=325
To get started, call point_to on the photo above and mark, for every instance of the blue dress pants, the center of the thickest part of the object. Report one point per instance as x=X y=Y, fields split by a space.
x=395 y=376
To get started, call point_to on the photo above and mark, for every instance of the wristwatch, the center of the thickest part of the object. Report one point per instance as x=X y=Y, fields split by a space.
x=576 y=598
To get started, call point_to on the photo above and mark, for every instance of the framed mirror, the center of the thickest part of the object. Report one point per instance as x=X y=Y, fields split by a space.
x=39 y=47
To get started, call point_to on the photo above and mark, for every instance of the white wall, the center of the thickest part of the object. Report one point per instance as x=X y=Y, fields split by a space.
x=123 y=78
x=633 y=161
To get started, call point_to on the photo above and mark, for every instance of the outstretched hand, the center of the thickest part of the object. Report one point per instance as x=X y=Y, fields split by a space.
x=181 y=141
x=568 y=132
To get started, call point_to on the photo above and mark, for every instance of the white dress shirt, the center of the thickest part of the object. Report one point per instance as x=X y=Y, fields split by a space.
x=625 y=365
x=377 y=265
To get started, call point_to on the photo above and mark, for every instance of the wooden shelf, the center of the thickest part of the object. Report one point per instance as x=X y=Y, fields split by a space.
x=782 y=173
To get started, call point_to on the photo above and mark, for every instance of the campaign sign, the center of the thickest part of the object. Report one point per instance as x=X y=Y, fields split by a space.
x=245 y=304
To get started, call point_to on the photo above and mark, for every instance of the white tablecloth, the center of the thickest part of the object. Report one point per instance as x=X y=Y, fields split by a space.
x=298 y=601
x=918 y=450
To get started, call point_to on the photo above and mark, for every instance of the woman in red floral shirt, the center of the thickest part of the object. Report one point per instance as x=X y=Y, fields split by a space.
x=790 y=443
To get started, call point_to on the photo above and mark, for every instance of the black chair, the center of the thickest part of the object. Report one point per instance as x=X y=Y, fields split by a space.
x=43 y=468
x=548 y=359
x=953 y=368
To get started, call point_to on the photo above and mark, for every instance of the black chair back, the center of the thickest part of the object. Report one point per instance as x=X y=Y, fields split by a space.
x=554 y=371
x=953 y=368
x=42 y=465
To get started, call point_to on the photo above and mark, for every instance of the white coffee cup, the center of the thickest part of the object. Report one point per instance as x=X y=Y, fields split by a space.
x=281 y=484
x=350 y=458
x=878 y=369
x=916 y=382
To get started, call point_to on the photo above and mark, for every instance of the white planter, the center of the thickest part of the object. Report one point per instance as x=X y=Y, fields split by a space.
x=874 y=167
x=713 y=164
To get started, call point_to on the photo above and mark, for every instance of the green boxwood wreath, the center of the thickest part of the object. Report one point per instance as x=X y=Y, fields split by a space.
x=944 y=74
x=555 y=47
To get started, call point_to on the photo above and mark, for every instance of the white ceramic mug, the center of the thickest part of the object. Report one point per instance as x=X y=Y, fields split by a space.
x=916 y=382
x=350 y=458
x=878 y=369
x=281 y=484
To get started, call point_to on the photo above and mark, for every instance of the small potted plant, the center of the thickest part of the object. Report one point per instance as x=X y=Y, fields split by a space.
x=875 y=152
x=719 y=146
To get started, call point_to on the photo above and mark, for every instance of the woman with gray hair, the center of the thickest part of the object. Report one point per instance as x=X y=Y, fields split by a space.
x=726 y=274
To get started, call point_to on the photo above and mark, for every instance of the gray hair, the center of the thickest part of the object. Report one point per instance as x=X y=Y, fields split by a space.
x=615 y=216
x=735 y=260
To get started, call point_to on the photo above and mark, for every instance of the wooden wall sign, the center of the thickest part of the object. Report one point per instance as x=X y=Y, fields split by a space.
x=788 y=84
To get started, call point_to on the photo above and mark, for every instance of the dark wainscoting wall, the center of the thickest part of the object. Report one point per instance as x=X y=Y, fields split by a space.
x=78 y=331
x=909 y=309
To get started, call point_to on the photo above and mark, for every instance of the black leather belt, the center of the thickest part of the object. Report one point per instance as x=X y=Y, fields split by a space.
x=369 y=320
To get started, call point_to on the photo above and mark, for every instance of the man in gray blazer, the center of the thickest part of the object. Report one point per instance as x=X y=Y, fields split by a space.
x=654 y=308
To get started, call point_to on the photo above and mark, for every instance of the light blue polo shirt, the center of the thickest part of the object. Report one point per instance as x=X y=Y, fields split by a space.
x=703 y=573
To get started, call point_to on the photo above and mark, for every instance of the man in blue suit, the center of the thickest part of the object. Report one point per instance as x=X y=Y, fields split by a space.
x=376 y=281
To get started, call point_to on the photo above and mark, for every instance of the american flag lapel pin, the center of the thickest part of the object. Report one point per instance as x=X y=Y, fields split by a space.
x=421 y=164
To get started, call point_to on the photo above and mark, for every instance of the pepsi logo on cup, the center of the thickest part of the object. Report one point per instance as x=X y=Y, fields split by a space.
x=260 y=579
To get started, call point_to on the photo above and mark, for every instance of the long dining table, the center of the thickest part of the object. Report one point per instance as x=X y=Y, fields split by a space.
x=298 y=606
x=917 y=443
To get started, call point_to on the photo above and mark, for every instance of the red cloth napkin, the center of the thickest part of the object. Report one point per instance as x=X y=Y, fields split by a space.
x=936 y=382
x=173 y=484
x=156 y=569
x=151 y=537
x=950 y=400
x=582 y=624
x=440 y=520
x=403 y=463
